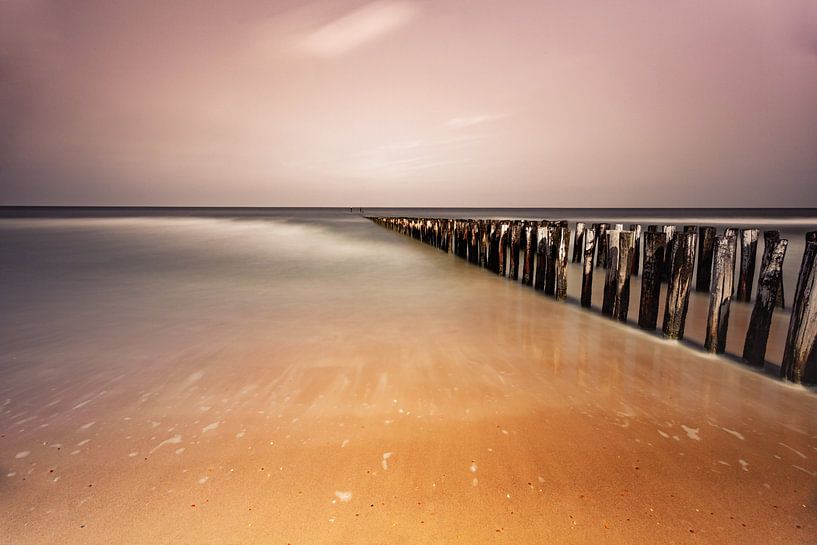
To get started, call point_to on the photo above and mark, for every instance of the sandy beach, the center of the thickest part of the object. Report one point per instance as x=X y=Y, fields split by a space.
x=206 y=381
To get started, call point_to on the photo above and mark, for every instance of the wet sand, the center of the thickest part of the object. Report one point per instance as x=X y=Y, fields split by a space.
x=353 y=386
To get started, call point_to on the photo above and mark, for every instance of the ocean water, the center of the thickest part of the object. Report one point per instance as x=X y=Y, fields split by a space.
x=215 y=376
x=65 y=270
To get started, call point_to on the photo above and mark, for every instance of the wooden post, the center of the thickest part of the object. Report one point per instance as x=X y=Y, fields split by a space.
x=769 y=239
x=504 y=228
x=720 y=296
x=601 y=237
x=493 y=247
x=541 y=256
x=683 y=262
x=473 y=242
x=800 y=356
x=578 y=243
x=748 y=256
x=561 y=263
x=484 y=242
x=706 y=246
x=551 y=255
x=611 y=276
x=666 y=268
x=513 y=262
x=636 y=229
x=655 y=243
x=620 y=256
x=587 y=274
x=769 y=282
x=530 y=253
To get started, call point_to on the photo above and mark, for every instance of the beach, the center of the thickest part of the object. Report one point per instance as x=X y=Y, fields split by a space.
x=315 y=378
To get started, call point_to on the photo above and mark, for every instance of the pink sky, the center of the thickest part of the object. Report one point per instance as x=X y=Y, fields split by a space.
x=409 y=103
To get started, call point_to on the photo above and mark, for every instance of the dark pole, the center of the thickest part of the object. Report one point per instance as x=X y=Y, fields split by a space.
x=771 y=273
x=706 y=245
x=587 y=273
x=636 y=229
x=800 y=356
x=720 y=295
x=683 y=262
x=655 y=244
x=561 y=263
x=748 y=256
x=578 y=243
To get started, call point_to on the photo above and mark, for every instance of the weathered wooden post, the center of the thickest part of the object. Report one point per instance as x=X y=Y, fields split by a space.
x=655 y=244
x=666 y=268
x=683 y=262
x=720 y=295
x=541 y=256
x=578 y=243
x=587 y=273
x=769 y=282
x=748 y=256
x=769 y=239
x=611 y=276
x=620 y=256
x=530 y=253
x=493 y=246
x=601 y=242
x=800 y=356
x=484 y=242
x=473 y=242
x=636 y=229
x=513 y=263
x=561 y=263
x=706 y=247
x=551 y=255
x=504 y=228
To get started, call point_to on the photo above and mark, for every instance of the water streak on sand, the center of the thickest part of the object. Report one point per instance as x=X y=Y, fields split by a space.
x=176 y=439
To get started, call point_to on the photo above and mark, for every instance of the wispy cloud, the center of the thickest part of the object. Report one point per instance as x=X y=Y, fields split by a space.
x=471 y=120
x=358 y=27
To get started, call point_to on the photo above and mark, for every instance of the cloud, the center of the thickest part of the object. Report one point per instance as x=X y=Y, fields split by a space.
x=358 y=27
x=471 y=120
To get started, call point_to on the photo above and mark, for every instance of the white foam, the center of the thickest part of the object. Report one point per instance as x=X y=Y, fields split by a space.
x=692 y=433
x=797 y=452
x=209 y=427
x=175 y=440
x=22 y=454
x=744 y=465
x=343 y=496
x=384 y=462
x=727 y=430
x=473 y=467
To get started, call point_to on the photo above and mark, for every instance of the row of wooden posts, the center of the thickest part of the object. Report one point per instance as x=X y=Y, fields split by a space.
x=536 y=253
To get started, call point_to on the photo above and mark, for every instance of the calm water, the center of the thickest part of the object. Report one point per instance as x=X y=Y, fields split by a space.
x=69 y=273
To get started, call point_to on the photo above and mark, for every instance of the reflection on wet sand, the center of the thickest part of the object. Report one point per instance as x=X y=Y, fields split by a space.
x=207 y=381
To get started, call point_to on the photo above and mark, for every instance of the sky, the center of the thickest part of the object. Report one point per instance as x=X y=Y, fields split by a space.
x=523 y=103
